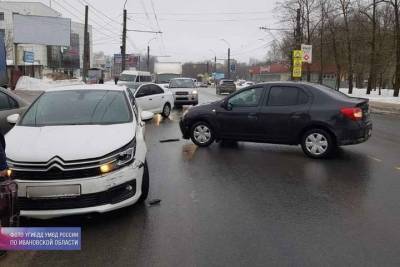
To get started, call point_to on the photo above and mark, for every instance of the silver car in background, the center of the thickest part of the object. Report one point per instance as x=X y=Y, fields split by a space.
x=184 y=91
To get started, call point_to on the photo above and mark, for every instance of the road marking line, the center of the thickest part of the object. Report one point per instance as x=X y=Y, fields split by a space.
x=376 y=159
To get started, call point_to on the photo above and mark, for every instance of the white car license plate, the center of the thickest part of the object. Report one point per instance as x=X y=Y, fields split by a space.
x=53 y=191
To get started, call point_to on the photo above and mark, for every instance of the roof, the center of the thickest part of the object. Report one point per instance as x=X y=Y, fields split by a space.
x=108 y=87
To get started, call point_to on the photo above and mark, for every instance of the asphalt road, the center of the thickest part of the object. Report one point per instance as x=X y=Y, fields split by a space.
x=248 y=204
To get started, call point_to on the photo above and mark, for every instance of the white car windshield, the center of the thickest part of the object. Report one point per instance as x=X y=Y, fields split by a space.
x=181 y=83
x=78 y=107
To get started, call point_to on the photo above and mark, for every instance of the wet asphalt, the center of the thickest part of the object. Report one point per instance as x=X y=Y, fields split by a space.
x=246 y=204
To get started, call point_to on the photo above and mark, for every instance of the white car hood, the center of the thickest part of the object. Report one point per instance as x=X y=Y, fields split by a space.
x=40 y=144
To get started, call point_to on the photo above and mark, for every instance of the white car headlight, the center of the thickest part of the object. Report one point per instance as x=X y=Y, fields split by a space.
x=121 y=159
x=194 y=92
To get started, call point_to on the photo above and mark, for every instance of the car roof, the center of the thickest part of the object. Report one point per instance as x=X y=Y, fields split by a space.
x=182 y=78
x=88 y=87
x=135 y=72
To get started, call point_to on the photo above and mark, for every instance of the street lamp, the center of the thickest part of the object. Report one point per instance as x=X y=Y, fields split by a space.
x=229 y=57
x=148 y=53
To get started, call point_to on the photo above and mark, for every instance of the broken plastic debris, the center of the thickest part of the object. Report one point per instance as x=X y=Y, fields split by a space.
x=154 y=202
x=169 y=140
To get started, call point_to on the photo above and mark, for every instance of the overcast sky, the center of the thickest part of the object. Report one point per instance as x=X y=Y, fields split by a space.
x=191 y=28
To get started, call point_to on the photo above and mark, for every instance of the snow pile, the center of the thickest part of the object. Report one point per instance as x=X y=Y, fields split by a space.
x=385 y=97
x=33 y=84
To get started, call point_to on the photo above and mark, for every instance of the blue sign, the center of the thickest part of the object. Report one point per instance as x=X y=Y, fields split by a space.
x=233 y=67
x=40 y=238
x=218 y=75
x=29 y=57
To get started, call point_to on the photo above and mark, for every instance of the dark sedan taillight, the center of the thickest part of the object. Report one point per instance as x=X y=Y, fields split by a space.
x=354 y=114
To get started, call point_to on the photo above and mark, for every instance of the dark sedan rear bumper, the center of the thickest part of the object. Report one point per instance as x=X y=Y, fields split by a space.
x=352 y=137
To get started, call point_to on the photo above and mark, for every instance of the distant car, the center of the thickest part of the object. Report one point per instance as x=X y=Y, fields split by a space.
x=244 y=84
x=154 y=98
x=10 y=104
x=184 y=91
x=133 y=78
x=226 y=86
x=316 y=117
x=78 y=150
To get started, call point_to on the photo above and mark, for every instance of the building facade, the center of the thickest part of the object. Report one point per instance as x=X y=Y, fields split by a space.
x=51 y=58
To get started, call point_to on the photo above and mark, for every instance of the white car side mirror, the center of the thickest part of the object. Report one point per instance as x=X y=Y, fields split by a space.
x=13 y=119
x=147 y=115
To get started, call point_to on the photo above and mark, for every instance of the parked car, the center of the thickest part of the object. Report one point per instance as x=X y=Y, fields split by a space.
x=316 y=117
x=79 y=149
x=226 y=86
x=184 y=91
x=10 y=104
x=154 y=98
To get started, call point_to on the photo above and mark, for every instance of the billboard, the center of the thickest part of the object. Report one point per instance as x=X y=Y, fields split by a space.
x=42 y=30
x=131 y=60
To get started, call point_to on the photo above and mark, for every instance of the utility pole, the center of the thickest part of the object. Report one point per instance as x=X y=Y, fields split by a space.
x=215 y=64
x=123 y=47
x=229 y=63
x=86 y=51
x=148 y=58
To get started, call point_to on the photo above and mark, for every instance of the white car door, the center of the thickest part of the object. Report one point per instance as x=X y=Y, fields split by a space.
x=159 y=98
x=144 y=97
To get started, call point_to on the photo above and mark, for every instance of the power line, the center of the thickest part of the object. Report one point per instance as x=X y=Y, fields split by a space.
x=80 y=19
x=206 y=13
x=102 y=13
x=93 y=21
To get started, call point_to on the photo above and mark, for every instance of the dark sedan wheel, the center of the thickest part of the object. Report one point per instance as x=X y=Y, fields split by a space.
x=202 y=134
x=317 y=143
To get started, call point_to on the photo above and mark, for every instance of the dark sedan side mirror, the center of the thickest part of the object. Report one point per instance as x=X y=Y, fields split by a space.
x=226 y=105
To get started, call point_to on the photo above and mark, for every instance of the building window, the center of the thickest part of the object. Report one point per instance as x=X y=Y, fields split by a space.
x=1 y=16
x=2 y=33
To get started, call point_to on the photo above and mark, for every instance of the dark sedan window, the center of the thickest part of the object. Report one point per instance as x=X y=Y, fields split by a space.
x=7 y=102
x=247 y=98
x=286 y=96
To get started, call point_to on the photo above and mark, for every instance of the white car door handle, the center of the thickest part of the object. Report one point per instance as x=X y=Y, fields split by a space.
x=150 y=99
x=162 y=97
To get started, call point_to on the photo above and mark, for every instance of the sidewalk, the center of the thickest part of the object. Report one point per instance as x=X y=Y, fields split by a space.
x=384 y=108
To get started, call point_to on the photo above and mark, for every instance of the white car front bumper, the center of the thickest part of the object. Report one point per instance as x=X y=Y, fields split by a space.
x=93 y=194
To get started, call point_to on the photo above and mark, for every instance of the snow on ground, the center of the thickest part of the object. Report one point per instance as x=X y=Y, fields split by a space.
x=385 y=97
x=33 y=84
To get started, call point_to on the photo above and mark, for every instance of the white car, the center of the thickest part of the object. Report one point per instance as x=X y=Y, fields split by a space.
x=154 y=98
x=77 y=150
x=245 y=84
